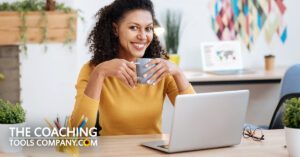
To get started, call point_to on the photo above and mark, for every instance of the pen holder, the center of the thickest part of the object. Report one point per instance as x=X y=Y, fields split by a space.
x=73 y=150
x=66 y=142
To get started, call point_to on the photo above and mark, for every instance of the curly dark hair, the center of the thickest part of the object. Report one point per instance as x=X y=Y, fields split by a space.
x=103 y=42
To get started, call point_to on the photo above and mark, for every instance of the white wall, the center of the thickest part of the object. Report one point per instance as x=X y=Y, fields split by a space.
x=48 y=79
x=197 y=29
x=47 y=82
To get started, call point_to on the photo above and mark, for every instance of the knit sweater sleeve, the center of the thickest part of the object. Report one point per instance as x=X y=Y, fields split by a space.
x=84 y=105
x=172 y=90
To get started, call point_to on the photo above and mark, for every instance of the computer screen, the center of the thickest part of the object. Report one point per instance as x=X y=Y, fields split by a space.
x=223 y=55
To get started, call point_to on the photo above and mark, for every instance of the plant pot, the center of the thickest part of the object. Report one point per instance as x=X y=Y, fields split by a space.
x=293 y=141
x=5 y=146
x=54 y=26
x=175 y=58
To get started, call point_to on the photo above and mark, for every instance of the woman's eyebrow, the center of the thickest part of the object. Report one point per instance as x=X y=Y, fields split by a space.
x=133 y=23
x=150 y=24
x=139 y=24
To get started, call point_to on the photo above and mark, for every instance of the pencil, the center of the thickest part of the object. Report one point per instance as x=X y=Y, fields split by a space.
x=83 y=122
x=66 y=121
x=57 y=124
x=80 y=121
x=69 y=122
x=49 y=124
x=57 y=118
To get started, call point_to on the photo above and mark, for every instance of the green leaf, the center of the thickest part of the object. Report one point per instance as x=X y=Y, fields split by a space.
x=172 y=35
x=31 y=5
x=291 y=114
x=11 y=113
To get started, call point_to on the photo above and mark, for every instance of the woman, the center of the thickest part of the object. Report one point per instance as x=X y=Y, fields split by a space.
x=108 y=83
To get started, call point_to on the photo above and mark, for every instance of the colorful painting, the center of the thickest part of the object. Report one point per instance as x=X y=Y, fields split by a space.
x=246 y=19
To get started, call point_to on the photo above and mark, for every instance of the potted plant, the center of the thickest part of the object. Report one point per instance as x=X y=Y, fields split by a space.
x=291 y=121
x=172 y=35
x=11 y=115
x=36 y=21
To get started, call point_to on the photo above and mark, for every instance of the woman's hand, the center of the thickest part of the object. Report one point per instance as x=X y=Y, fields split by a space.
x=162 y=68
x=120 y=68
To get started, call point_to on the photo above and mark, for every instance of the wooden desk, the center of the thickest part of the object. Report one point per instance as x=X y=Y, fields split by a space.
x=259 y=75
x=129 y=146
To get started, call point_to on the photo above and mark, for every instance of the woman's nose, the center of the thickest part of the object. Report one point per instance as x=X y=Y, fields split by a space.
x=142 y=35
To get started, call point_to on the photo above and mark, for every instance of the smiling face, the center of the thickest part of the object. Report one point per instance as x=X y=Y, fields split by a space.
x=135 y=33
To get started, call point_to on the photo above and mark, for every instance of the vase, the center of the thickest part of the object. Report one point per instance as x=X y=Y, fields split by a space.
x=175 y=58
x=292 y=136
x=5 y=145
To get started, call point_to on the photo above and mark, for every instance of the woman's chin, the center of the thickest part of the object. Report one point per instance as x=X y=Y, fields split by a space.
x=139 y=54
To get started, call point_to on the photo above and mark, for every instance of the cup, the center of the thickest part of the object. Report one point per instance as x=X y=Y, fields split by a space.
x=269 y=62
x=141 y=69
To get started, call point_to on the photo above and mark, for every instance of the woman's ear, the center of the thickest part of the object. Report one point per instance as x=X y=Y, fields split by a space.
x=115 y=29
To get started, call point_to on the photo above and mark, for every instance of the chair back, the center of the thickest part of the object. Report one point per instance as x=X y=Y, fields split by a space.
x=290 y=87
x=276 y=122
x=291 y=81
x=97 y=125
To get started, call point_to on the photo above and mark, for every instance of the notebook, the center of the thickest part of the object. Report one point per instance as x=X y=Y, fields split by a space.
x=223 y=58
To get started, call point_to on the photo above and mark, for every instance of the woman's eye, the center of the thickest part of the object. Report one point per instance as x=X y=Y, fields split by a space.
x=134 y=28
x=149 y=29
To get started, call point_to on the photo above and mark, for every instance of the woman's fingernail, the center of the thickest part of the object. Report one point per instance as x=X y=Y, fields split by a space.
x=145 y=75
x=146 y=65
x=149 y=81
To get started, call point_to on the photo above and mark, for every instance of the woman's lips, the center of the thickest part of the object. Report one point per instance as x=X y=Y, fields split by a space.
x=139 y=46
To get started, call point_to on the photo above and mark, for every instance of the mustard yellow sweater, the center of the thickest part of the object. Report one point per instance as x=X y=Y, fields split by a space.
x=124 y=110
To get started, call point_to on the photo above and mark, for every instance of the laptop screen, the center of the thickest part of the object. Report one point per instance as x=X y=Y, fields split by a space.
x=220 y=56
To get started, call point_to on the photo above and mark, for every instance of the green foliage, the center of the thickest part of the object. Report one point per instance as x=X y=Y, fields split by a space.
x=2 y=76
x=31 y=5
x=62 y=7
x=24 y=6
x=172 y=26
x=291 y=114
x=11 y=113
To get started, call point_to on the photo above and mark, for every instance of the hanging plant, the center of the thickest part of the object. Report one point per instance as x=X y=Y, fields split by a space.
x=28 y=22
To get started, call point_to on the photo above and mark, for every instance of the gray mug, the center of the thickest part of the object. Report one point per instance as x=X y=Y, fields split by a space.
x=141 y=69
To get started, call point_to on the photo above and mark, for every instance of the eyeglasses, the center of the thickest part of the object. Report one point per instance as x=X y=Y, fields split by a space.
x=256 y=134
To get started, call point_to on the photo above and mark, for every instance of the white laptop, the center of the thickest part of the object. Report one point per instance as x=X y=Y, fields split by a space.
x=206 y=120
x=222 y=57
